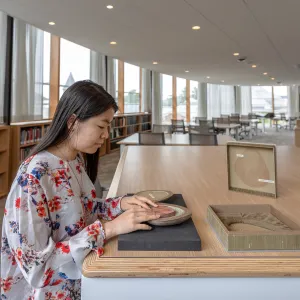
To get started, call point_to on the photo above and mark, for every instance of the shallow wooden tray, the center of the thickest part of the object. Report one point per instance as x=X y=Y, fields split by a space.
x=249 y=227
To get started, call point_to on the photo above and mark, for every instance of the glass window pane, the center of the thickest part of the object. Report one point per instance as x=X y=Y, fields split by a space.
x=194 y=99
x=166 y=98
x=74 y=63
x=131 y=88
x=261 y=99
x=280 y=99
x=46 y=75
x=181 y=98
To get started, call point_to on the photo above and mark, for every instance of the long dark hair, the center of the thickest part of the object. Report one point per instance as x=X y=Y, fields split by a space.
x=84 y=99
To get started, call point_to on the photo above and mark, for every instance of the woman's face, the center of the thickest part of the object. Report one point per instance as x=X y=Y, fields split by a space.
x=89 y=135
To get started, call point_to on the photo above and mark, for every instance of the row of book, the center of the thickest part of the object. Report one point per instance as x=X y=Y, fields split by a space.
x=146 y=119
x=146 y=127
x=132 y=129
x=116 y=132
x=118 y=122
x=24 y=152
x=132 y=120
x=30 y=135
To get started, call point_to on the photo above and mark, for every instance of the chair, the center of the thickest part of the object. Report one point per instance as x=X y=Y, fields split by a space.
x=224 y=116
x=217 y=130
x=283 y=118
x=235 y=119
x=162 y=128
x=199 y=129
x=203 y=139
x=235 y=115
x=198 y=119
x=178 y=126
x=149 y=138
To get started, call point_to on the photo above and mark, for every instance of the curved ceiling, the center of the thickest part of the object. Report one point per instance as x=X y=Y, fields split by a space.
x=266 y=32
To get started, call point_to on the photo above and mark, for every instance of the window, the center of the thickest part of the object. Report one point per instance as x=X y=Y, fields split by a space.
x=166 y=98
x=131 y=88
x=261 y=99
x=46 y=75
x=74 y=64
x=3 y=22
x=280 y=99
x=227 y=100
x=31 y=51
x=194 y=99
x=181 y=98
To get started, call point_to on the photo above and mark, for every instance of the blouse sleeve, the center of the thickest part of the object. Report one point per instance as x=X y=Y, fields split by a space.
x=42 y=261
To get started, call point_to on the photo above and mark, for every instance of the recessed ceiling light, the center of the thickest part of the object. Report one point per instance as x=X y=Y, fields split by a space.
x=109 y=7
x=236 y=54
x=196 y=27
x=258 y=84
x=51 y=23
x=254 y=66
x=207 y=77
x=238 y=85
x=186 y=71
x=155 y=63
x=273 y=78
x=113 y=43
x=222 y=80
x=294 y=84
x=265 y=73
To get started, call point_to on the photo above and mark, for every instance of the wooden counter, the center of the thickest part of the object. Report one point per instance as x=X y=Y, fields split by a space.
x=200 y=174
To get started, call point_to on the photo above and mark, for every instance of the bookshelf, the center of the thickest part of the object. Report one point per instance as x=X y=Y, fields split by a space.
x=4 y=159
x=124 y=125
x=24 y=136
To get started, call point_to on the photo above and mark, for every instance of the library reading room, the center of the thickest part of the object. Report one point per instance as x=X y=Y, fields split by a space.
x=150 y=150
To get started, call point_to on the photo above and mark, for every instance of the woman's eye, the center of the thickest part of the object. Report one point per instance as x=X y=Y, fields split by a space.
x=101 y=127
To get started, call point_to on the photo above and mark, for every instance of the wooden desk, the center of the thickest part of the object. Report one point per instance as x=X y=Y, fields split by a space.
x=200 y=174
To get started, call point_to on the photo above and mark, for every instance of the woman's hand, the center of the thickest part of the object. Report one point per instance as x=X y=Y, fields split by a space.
x=136 y=201
x=130 y=221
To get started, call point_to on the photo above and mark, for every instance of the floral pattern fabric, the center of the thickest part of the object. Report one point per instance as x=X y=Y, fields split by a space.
x=51 y=222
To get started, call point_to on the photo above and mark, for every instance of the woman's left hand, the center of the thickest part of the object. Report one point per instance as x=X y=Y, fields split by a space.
x=134 y=201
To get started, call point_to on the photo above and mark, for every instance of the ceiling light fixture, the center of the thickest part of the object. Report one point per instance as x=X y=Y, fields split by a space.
x=273 y=78
x=155 y=63
x=236 y=54
x=196 y=27
x=207 y=77
x=51 y=23
x=222 y=80
x=265 y=73
x=258 y=84
x=254 y=66
x=113 y=43
x=109 y=7
x=186 y=71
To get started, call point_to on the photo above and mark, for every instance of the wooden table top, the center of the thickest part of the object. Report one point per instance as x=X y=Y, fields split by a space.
x=175 y=139
x=200 y=175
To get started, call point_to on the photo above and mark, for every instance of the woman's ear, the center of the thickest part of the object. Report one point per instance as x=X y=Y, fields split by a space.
x=71 y=121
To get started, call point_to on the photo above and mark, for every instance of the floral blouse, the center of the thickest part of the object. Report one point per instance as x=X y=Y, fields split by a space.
x=51 y=222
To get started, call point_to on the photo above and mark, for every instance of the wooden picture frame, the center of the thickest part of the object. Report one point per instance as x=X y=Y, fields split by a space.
x=263 y=228
x=252 y=168
x=182 y=215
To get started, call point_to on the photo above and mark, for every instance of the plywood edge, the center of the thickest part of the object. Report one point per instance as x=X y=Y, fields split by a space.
x=115 y=182
x=190 y=267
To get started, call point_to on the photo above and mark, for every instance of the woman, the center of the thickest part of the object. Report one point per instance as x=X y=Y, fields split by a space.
x=52 y=214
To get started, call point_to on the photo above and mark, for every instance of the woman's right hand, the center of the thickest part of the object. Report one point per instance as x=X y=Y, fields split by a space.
x=130 y=221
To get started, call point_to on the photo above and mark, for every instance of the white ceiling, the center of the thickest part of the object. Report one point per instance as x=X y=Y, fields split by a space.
x=266 y=31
